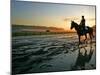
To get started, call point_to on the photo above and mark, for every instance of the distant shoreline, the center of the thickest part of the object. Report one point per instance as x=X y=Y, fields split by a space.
x=36 y=26
x=37 y=33
x=22 y=30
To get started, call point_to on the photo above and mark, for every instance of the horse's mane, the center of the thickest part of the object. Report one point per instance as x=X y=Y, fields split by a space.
x=75 y=23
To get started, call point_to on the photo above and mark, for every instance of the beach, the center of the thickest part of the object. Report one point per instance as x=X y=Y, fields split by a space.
x=52 y=53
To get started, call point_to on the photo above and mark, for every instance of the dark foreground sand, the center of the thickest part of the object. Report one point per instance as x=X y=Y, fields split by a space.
x=49 y=53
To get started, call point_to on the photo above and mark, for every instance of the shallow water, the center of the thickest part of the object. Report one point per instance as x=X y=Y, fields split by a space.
x=49 y=53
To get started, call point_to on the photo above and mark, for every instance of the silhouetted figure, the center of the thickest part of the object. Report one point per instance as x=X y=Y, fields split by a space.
x=82 y=23
x=80 y=31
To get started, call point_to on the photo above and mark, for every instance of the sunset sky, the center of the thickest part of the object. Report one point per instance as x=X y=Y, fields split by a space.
x=51 y=15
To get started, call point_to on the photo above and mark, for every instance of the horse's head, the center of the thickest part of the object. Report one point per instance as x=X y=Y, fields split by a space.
x=72 y=24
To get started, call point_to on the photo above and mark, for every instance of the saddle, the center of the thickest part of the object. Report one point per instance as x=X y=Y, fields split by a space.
x=84 y=30
x=86 y=27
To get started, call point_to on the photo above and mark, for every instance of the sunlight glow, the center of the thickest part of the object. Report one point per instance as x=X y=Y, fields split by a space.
x=50 y=15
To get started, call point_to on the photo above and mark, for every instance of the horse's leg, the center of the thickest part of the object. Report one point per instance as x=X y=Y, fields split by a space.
x=79 y=39
x=90 y=37
x=91 y=34
x=85 y=37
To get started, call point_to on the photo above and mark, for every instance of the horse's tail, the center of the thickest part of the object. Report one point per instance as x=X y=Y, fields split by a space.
x=91 y=31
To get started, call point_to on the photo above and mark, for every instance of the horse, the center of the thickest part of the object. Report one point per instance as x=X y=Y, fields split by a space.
x=81 y=32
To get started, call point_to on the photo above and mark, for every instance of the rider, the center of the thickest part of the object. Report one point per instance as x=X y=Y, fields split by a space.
x=82 y=23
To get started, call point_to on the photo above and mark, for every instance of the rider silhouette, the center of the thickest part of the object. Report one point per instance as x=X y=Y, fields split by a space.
x=82 y=23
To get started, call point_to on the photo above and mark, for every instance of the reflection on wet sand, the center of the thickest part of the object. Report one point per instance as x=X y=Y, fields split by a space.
x=51 y=53
x=83 y=58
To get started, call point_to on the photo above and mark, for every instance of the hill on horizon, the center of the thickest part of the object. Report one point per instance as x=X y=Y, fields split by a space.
x=36 y=28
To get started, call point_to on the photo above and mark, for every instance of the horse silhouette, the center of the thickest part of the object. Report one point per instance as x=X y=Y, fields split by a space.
x=81 y=32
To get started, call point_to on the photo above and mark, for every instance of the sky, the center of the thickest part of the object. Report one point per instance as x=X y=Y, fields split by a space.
x=50 y=14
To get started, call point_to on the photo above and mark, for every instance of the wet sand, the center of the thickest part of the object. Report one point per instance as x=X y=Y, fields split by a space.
x=51 y=53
